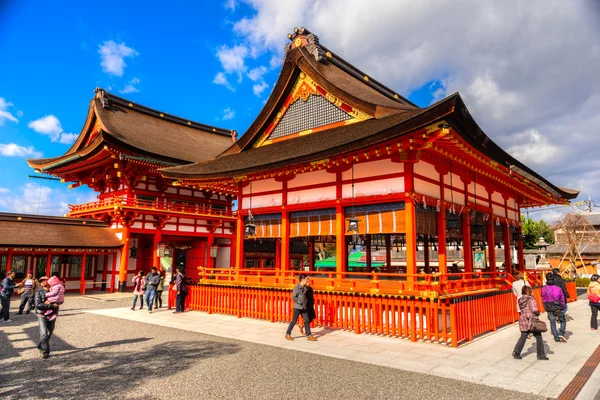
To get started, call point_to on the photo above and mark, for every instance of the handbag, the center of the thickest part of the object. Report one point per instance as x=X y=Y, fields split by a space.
x=539 y=326
x=594 y=298
x=20 y=290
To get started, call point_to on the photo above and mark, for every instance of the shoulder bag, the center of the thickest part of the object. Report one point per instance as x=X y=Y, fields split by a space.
x=539 y=326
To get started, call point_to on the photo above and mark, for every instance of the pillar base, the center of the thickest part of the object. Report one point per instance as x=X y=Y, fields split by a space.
x=103 y=287
x=122 y=286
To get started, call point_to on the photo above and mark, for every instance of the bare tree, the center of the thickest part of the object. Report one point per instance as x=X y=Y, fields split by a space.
x=573 y=228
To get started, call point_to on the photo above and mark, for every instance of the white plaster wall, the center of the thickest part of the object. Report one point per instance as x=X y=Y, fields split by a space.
x=373 y=168
x=201 y=229
x=186 y=221
x=456 y=182
x=497 y=197
x=457 y=198
x=186 y=228
x=381 y=186
x=185 y=192
x=223 y=257
x=512 y=215
x=498 y=210
x=311 y=178
x=264 y=185
x=269 y=200
x=170 y=227
x=427 y=188
x=311 y=195
x=425 y=169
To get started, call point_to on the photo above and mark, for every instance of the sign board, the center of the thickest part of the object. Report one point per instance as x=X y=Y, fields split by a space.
x=479 y=260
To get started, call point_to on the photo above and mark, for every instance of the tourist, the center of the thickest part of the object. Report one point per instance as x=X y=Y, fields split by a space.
x=8 y=288
x=28 y=284
x=554 y=303
x=138 y=289
x=152 y=281
x=310 y=305
x=300 y=305
x=42 y=306
x=517 y=287
x=560 y=282
x=181 y=288
x=593 y=293
x=529 y=314
x=159 y=290
x=55 y=295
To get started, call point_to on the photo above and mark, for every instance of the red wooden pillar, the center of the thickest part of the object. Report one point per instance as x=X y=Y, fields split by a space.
x=520 y=253
x=467 y=249
x=210 y=242
x=311 y=254
x=491 y=242
x=426 y=253
x=124 y=260
x=82 y=277
x=113 y=271
x=239 y=244
x=411 y=221
x=441 y=228
x=368 y=253
x=155 y=255
x=104 y=270
x=285 y=241
x=388 y=253
x=341 y=250
x=49 y=263
x=9 y=260
x=507 y=249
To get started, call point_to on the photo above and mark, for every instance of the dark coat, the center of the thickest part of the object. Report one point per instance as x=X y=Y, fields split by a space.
x=560 y=282
x=310 y=303
x=39 y=299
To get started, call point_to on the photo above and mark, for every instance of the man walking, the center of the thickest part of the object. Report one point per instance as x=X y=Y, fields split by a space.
x=46 y=326
x=152 y=281
x=8 y=287
x=299 y=297
x=554 y=303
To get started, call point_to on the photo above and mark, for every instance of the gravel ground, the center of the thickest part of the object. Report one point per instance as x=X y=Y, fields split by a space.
x=98 y=357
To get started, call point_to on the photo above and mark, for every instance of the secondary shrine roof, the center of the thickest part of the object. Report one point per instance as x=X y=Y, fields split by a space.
x=359 y=112
x=142 y=131
x=28 y=230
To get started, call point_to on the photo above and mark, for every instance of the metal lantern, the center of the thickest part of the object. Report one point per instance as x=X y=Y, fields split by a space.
x=250 y=230
x=213 y=251
x=352 y=225
x=161 y=250
x=133 y=251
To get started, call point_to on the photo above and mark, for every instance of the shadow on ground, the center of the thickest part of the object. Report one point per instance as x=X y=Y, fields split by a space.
x=98 y=372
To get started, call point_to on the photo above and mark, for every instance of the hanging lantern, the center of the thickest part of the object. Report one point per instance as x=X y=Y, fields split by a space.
x=250 y=230
x=213 y=251
x=133 y=249
x=352 y=225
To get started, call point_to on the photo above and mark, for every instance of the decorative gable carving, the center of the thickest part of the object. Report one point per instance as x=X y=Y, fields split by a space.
x=309 y=108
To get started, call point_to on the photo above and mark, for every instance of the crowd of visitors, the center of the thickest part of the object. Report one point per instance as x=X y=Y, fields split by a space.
x=150 y=288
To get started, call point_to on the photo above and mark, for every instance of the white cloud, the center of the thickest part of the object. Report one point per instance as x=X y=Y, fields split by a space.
x=44 y=198
x=6 y=115
x=113 y=57
x=232 y=59
x=533 y=148
x=19 y=113
x=130 y=88
x=526 y=82
x=228 y=113
x=259 y=88
x=221 y=79
x=257 y=73
x=230 y=4
x=50 y=126
x=4 y=190
x=14 y=150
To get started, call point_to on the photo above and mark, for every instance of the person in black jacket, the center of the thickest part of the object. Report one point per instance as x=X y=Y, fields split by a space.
x=46 y=326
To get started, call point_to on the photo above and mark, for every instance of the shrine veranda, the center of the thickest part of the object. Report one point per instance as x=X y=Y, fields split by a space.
x=407 y=219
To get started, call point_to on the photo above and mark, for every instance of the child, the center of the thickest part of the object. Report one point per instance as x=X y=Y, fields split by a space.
x=55 y=295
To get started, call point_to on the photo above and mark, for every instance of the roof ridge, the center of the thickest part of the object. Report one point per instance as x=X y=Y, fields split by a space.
x=50 y=219
x=106 y=96
x=318 y=50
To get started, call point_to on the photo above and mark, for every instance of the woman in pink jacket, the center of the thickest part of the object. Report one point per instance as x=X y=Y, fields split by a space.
x=139 y=283
x=529 y=313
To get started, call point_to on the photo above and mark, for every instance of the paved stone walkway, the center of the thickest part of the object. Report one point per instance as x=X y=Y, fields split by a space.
x=487 y=360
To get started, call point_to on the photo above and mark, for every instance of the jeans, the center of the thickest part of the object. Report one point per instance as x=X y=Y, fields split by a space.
x=135 y=297
x=26 y=298
x=563 y=324
x=158 y=299
x=150 y=293
x=46 y=329
x=297 y=314
x=5 y=301
x=539 y=343
x=594 y=322
x=180 y=302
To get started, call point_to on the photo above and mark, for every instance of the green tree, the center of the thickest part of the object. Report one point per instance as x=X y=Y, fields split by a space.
x=534 y=230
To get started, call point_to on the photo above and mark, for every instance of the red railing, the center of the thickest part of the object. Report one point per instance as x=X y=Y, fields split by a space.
x=168 y=207
x=452 y=320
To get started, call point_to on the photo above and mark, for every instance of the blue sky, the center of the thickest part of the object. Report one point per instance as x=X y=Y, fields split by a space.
x=216 y=62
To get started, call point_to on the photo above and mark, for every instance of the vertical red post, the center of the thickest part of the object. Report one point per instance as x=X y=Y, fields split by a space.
x=507 y=249
x=341 y=251
x=113 y=271
x=441 y=228
x=155 y=255
x=520 y=252
x=82 y=277
x=411 y=221
x=285 y=241
x=491 y=242
x=210 y=242
x=9 y=260
x=124 y=260
x=49 y=263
